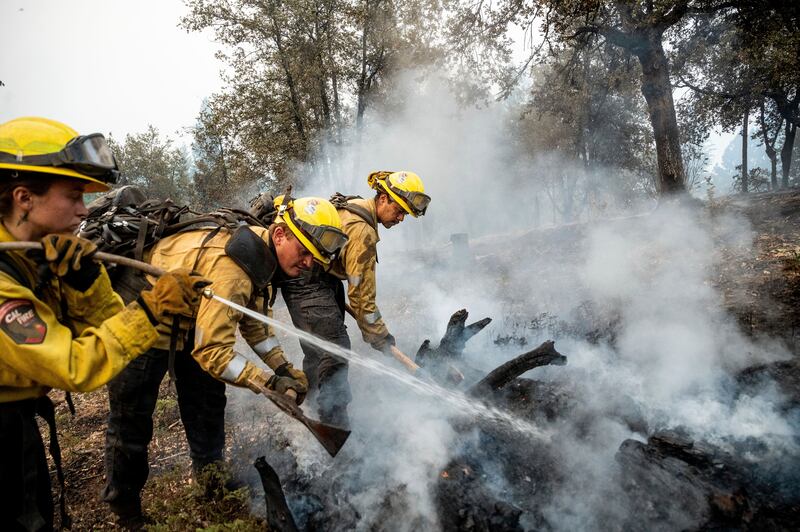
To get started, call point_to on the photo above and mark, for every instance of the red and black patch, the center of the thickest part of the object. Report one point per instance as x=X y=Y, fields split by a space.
x=19 y=320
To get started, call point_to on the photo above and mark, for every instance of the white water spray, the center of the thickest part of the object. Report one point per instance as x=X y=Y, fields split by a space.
x=457 y=399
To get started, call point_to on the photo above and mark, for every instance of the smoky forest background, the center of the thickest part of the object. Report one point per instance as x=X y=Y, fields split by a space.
x=596 y=105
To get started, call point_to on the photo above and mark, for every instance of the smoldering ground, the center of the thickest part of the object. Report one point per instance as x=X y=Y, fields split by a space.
x=629 y=300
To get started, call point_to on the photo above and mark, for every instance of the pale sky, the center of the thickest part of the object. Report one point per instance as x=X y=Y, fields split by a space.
x=104 y=65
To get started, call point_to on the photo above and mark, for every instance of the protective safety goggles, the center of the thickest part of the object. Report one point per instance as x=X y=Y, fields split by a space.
x=417 y=201
x=327 y=239
x=87 y=154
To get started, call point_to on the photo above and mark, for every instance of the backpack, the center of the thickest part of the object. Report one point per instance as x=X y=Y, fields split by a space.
x=340 y=201
x=124 y=222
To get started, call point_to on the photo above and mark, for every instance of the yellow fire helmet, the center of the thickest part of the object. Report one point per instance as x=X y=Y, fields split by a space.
x=33 y=144
x=406 y=188
x=316 y=224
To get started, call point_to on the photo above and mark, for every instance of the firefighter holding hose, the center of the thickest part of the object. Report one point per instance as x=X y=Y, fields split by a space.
x=61 y=324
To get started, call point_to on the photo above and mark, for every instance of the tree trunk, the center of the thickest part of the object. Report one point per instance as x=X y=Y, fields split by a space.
x=294 y=98
x=786 y=152
x=744 y=149
x=337 y=112
x=657 y=91
x=362 y=79
x=769 y=146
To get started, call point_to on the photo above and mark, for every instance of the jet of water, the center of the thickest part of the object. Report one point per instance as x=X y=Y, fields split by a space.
x=457 y=399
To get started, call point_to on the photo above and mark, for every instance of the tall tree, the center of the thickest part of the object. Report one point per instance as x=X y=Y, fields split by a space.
x=747 y=58
x=640 y=28
x=153 y=163
x=587 y=112
x=300 y=72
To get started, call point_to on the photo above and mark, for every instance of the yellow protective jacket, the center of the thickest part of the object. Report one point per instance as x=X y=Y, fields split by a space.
x=75 y=341
x=215 y=325
x=356 y=263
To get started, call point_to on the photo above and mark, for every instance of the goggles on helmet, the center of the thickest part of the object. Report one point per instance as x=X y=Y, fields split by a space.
x=87 y=154
x=327 y=239
x=417 y=201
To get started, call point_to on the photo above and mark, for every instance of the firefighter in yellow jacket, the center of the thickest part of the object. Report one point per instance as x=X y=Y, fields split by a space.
x=316 y=304
x=243 y=265
x=61 y=326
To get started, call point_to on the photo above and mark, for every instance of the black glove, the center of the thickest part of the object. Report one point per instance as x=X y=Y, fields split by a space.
x=384 y=344
x=70 y=258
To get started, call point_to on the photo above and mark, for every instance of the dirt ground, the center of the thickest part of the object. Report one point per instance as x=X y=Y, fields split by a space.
x=761 y=290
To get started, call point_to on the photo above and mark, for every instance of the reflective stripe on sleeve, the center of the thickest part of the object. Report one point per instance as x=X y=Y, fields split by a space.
x=265 y=346
x=234 y=369
x=373 y=317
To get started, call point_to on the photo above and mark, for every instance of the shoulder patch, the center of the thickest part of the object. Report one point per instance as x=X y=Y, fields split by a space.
x=20 y=321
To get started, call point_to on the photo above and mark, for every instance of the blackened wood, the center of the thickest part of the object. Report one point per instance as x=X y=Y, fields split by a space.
x=279 y=517
x=454 y=340
x=543 y=355
x=457 y=333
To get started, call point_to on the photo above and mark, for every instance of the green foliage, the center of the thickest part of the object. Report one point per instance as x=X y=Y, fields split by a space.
x=300 y=72
x=175 y=504
x=152 y=162
x=746 y=60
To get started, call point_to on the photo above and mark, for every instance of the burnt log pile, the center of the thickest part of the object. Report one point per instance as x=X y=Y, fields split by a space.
x=673 y=479
x=501 y=478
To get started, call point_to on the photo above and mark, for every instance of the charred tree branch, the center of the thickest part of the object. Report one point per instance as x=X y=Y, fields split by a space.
x=544 y=355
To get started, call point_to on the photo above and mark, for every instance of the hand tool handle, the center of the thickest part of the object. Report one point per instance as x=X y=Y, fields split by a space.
x=404 y=359
x=100 y=255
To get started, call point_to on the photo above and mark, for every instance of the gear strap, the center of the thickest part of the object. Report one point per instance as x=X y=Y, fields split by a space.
x=45 y=410
x=340 y=201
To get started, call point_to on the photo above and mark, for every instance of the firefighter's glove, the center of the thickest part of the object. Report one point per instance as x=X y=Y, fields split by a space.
x=176 y=293
x=288 y=370
x=258 y=381
x=385 y=344
x=70 y=258
x=282 y=384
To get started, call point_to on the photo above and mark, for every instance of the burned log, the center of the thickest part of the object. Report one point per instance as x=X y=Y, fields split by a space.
x=543 y=355
x=438 y=362
x=279 y=517
x=454 y=340
x=466 y=503
x=695 y=485
x=458 y=333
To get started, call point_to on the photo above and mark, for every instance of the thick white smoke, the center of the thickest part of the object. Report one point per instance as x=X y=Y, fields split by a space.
x=646 y=276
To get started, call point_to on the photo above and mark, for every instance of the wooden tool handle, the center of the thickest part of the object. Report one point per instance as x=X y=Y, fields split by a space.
x=404 y=359
x=100 y=255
